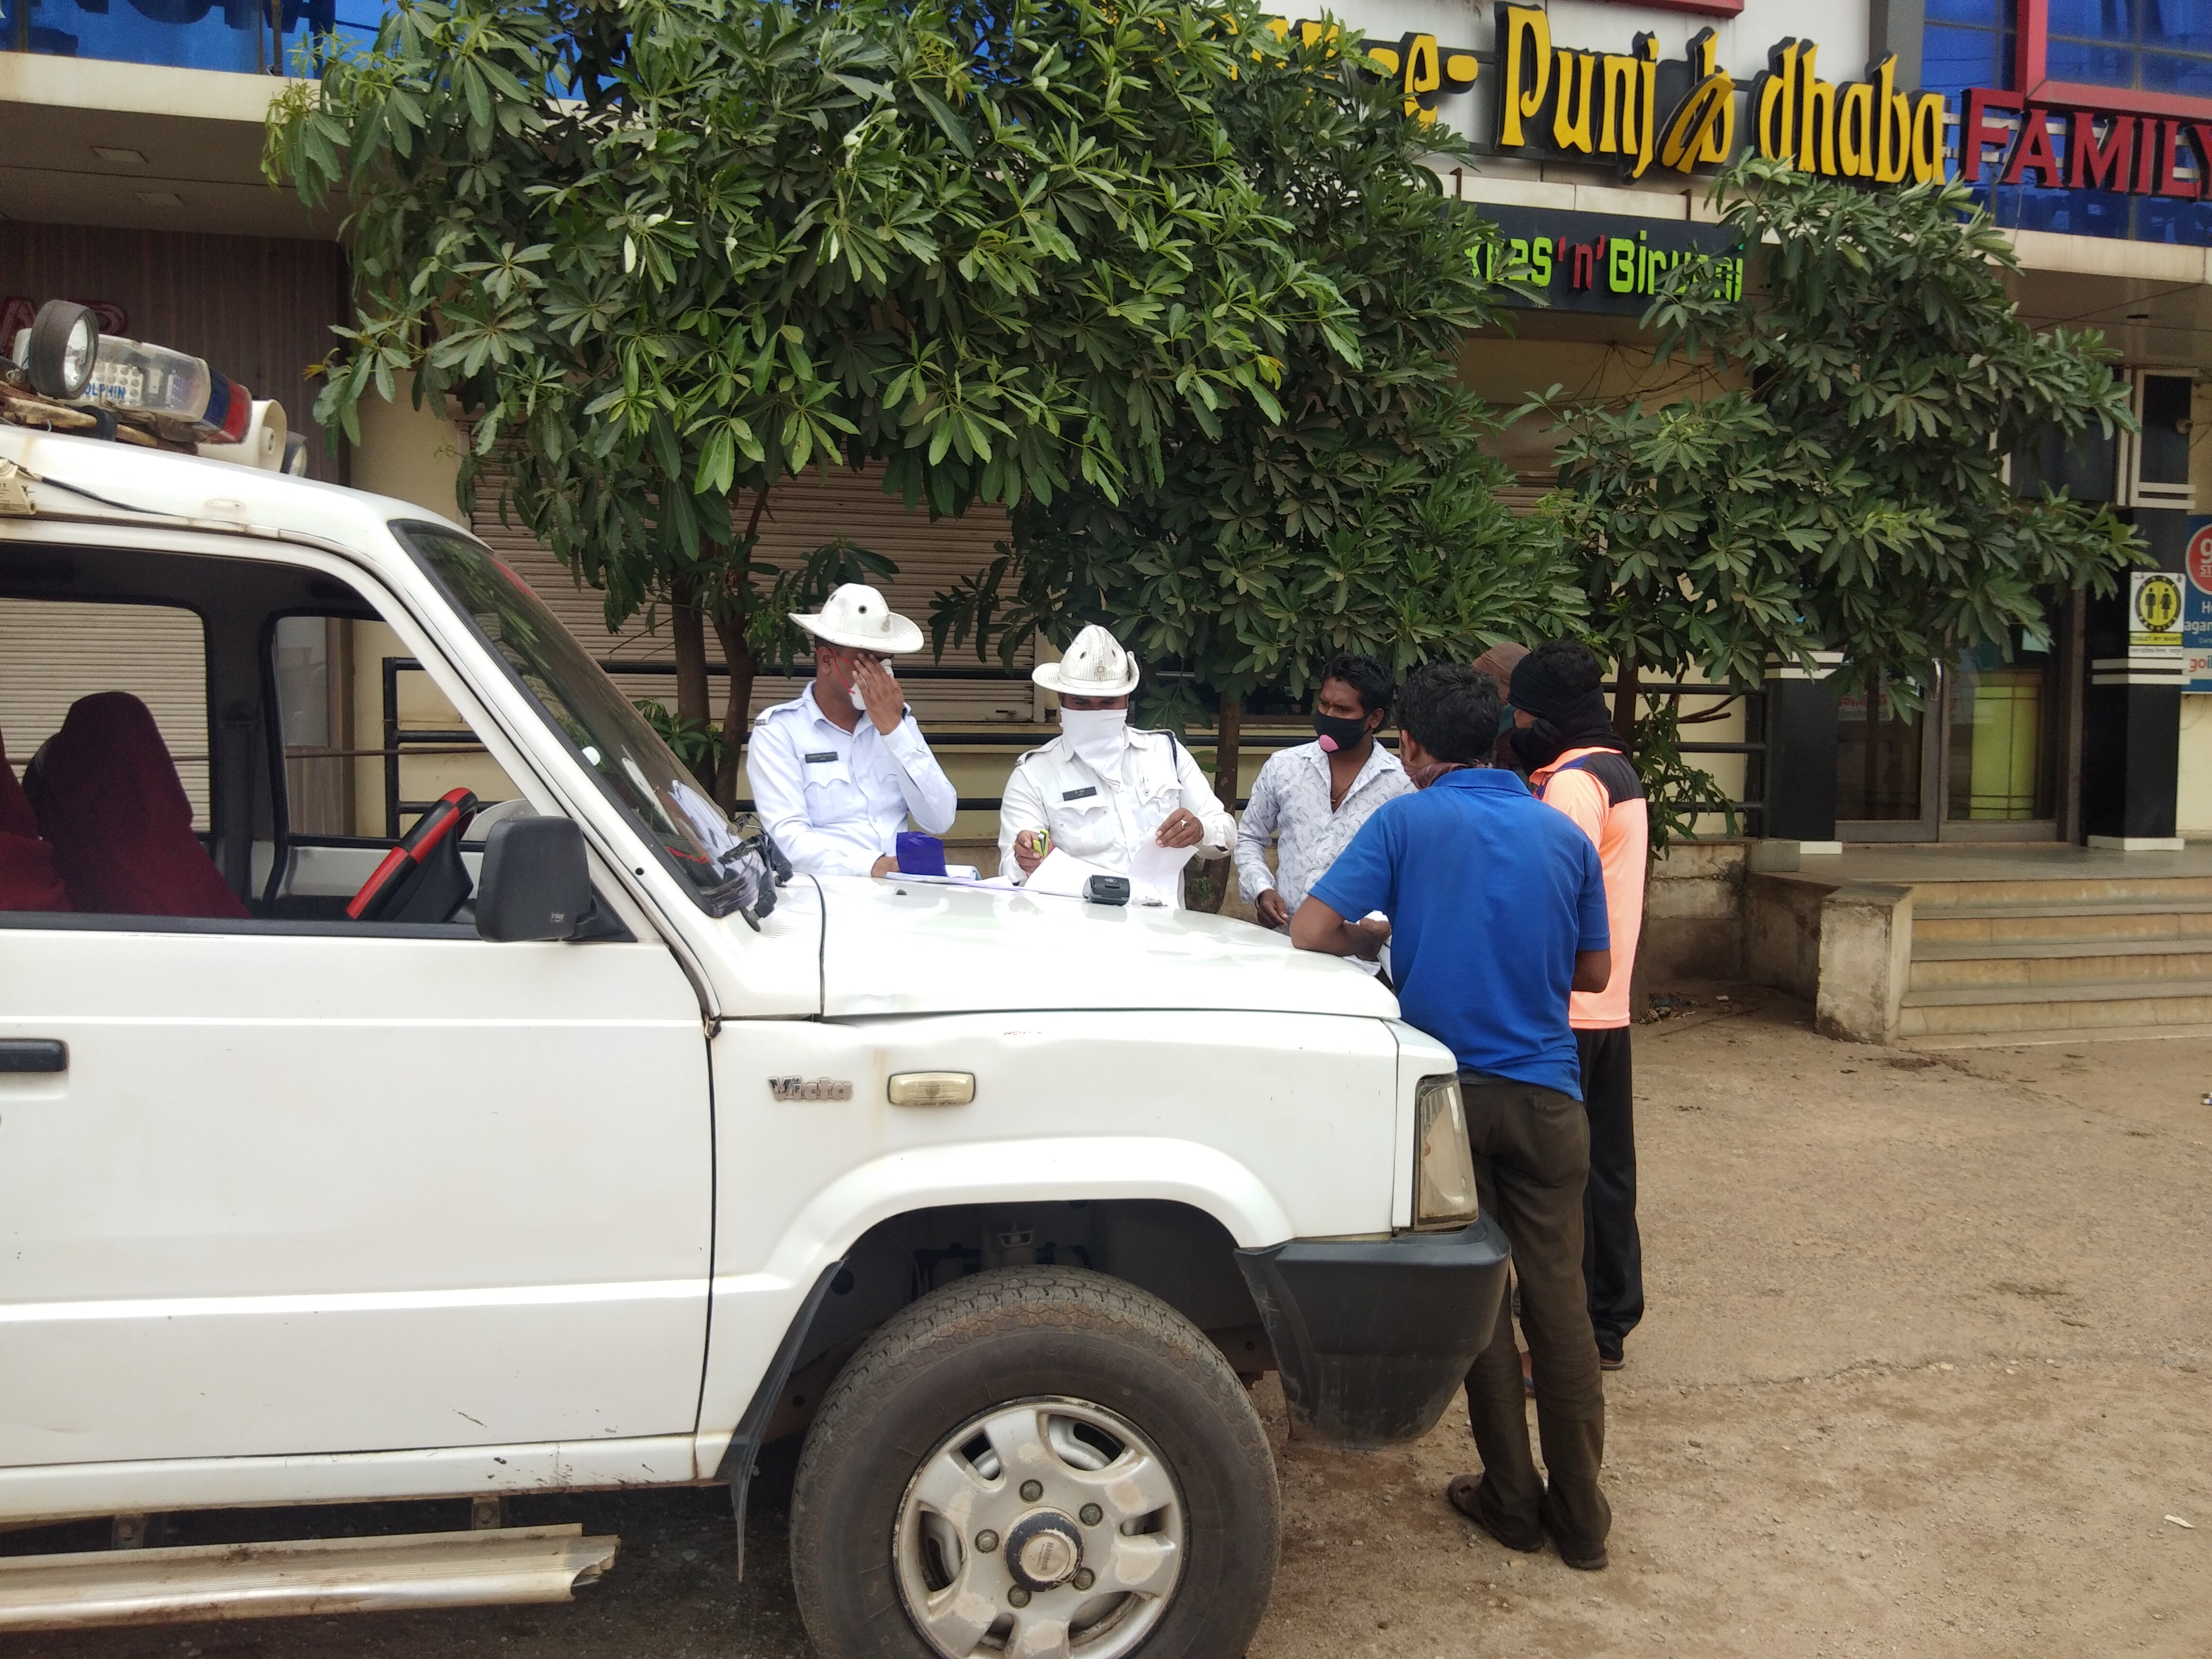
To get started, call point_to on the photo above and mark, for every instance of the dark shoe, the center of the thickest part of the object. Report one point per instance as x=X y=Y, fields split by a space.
x=1582 y=1560
x=1610 y=1356
x=1464 y=1494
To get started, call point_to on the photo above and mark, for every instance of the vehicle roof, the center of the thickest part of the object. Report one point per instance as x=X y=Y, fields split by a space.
x=130 y=485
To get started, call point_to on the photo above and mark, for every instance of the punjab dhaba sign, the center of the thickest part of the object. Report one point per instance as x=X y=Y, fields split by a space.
x=1425 y=70
x=1684 y=114
x=1652 y=114
x=1565 y=103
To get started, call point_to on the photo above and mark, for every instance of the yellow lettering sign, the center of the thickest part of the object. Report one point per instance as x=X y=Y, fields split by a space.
x=1527 y=33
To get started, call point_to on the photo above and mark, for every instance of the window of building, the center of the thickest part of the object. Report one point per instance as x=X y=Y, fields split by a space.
x=2149 y=56
x=2085 y=50
x=1968 y=43
x=2152 y=45
x=293 y=36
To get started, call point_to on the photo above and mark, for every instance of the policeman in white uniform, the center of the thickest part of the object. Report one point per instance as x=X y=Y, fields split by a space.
x=836 y=771
x=1100 y=788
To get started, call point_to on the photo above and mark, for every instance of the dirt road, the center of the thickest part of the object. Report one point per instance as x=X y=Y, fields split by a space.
x=1926 y=1368
x=1929 y=1363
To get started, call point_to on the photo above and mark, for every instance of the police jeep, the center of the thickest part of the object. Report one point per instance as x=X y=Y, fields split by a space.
x=547 y=1133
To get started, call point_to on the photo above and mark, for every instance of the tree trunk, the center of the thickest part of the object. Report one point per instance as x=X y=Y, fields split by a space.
x=1229 y=735
x=1624 y=700
x=738 y=655
x=737 y=713
x=687 y=627
x=1209 y=890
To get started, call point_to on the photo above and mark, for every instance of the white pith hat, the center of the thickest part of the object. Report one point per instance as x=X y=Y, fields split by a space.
x=1096 y=665
x=860 y=618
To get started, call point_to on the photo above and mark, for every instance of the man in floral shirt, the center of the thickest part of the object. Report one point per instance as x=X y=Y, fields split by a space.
x=1309 y=801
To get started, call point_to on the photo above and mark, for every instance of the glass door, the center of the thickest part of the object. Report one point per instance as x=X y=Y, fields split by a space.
x=1885 y=783
x=2000 y=740
x=1977 y=762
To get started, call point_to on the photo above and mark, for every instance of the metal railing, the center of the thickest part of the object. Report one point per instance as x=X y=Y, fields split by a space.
x=1262 y=739
x=397 y=740
x=1753 y=808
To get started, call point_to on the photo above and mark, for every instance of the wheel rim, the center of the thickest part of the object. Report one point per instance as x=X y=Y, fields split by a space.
x=1045 y=1529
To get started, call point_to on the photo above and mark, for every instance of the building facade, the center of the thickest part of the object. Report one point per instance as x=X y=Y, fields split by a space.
x=130 y=180
x=2086 y=127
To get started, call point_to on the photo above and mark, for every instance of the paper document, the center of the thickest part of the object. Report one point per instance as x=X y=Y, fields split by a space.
x=1156 y=872
x=956 y=875
x=1064 y=873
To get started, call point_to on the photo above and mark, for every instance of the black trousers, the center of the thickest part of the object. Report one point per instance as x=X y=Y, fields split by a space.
x=1613 y=1251
x=1531 y=1148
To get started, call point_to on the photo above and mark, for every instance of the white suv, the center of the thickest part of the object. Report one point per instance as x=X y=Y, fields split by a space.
x=558 y=1143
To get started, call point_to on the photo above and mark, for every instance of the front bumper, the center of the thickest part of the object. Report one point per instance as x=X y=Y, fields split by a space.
x=1373 y=1336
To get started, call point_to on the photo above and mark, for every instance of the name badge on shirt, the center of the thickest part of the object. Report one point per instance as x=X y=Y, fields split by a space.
x=1084 y=793
x=826 y=756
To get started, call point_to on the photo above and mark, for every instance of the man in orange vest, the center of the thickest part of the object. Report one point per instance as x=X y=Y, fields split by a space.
x=1562 y=734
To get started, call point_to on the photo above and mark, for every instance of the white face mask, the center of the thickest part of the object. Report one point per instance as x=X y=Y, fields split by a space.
x=853 y=691
x=1095 y=734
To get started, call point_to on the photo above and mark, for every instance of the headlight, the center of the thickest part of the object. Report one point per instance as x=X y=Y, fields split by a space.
x=1444 y=1166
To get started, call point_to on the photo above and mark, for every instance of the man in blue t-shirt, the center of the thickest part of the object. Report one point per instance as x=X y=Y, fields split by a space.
x=1497 y=910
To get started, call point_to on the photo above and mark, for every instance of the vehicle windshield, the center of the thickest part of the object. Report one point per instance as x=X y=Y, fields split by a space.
x=723 y=869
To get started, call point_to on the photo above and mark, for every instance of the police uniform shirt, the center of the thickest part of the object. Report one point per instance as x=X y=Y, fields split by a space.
x=1103 y=818
x=836 y=801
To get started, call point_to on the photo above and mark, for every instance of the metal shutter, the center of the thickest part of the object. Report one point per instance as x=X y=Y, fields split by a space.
x=54 y=651
x=1527 y=490
x=803 y=514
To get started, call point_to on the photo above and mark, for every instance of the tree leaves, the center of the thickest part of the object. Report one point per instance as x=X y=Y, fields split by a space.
x=669 y=254
x=1849 y=494
x=1326 y=493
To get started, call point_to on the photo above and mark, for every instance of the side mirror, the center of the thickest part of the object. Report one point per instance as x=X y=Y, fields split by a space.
x=536 y=881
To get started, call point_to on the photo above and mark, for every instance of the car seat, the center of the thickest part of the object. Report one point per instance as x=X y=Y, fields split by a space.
x=109 y=799
x=27 y=881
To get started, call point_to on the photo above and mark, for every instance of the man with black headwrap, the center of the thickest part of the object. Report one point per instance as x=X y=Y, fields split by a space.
x=1563 y=735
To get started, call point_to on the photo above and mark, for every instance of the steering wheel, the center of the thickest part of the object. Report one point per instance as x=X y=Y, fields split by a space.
x=421 y=868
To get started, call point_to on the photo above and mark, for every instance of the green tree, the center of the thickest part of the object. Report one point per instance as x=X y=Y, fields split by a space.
x=1845 y=490
x=1355 y=509
x=999 y=248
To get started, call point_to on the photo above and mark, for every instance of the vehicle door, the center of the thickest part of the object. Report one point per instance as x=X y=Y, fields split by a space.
x=291 y=1182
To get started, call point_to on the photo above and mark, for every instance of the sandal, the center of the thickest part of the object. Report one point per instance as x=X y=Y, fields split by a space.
x=1463 y=1493
x=1595 y=1561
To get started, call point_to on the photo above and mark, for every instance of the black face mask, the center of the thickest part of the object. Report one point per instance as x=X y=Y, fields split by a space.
x=1536 y=747
x=1338 y=735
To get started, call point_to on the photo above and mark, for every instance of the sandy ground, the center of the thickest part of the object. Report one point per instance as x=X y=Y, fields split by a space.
x=1927 y=1368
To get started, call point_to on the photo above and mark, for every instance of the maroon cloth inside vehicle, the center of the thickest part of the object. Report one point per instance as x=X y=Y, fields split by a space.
x=109 y=799
x=27 y=881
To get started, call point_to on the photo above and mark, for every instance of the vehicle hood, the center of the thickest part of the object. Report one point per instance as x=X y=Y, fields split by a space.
x=894 y=947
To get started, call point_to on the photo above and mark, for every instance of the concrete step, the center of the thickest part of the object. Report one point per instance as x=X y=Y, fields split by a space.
x=1961 y=964
x=2135 y=890
x=2190 y=1033
x=2029 y=1010
x=2030 y=924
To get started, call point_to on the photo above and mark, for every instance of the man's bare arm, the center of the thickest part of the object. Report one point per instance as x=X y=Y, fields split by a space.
x=1315 y=926
x=1593 y=969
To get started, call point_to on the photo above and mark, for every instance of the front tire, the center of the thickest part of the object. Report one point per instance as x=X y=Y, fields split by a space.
x=1035 y=1462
